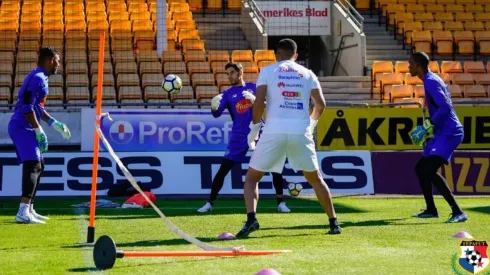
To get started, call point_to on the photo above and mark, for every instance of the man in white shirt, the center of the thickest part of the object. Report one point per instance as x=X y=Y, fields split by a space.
x=288 y=132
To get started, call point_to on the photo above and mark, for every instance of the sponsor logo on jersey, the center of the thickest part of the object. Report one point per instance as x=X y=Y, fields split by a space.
x=284 y=77
x=243 y=106
x=291 y=94
x=287 y=70
x=283 y=85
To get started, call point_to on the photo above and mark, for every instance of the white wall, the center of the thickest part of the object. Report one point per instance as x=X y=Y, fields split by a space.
x=352 y=60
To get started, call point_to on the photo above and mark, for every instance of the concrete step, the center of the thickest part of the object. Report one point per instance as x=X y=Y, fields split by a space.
x=378 y=33
x=236 y=36
x=379 y=38
x=341 y=85
x=217 y=18
x=376 y=47
x=392 y=52
x=344 y=78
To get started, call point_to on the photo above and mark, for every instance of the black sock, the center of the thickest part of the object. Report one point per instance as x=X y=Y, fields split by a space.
x=251 y=217
x=333 y=222
x=425 y=169
x=279 y=200
x=219 y=178
x=441 y=185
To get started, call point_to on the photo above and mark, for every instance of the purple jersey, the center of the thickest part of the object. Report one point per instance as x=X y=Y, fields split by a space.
x=31 y=98
x=240 y=109
x=441 y=110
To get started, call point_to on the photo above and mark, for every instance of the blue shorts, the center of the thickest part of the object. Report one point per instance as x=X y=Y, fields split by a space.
x=25 y=142
x=237 y=150
x=443 y=146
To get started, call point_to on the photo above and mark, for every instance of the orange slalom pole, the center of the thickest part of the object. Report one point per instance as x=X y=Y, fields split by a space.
x=95 y=166
x=122 y=254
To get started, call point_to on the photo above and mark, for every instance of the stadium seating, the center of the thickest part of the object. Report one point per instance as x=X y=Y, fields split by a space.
x=132 y=70
x=465 y=80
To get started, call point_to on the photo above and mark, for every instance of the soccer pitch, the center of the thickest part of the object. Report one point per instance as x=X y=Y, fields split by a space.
x=379 y=237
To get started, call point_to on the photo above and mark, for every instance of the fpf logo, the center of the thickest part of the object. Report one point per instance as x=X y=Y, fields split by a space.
x=121 y=132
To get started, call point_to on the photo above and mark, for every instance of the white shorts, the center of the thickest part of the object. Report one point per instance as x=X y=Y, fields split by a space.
x=272 y=150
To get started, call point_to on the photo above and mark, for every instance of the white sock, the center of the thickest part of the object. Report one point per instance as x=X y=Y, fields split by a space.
x=24 y=208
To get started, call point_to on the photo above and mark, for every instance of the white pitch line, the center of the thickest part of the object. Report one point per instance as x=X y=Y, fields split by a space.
x=82 y=227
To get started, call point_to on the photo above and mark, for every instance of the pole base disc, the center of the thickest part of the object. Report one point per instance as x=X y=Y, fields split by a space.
x=105 y=253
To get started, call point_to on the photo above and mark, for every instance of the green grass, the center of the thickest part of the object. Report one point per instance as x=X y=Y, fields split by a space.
x=379 y=237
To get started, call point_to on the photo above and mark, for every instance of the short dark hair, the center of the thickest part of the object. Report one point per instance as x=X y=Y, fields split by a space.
x=421 y=59
x=288 y=45
x=46 y=53
x=235 y=65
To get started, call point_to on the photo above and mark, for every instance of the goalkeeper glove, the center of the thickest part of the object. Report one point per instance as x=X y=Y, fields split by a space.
x=429 y=127
x=42 y=139
x=215 y=102
x=248 y=95
x=60 y=127
x=253 y=135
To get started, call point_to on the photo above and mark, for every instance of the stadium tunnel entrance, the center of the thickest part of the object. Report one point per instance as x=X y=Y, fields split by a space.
x=312 y=52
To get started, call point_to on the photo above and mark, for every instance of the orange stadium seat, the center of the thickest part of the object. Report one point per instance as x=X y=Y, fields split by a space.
x=192 y=34
x=172 y=67
x=433 y=26
x=388 y=80
x=451 y=67
x=127 y=80
x=206 y=92
x=198 y=67
x=483 y=42
x=462 y=79
x=192 y=45
x=483 y=17
x=108 y=93
x=206 y=79
x=415 y=8
x=409 y=28
x=185 y=24
x=234 y=4
x=474 y=26
x=108 y=80
x=422 y=41
x=391 y=10
x=419 y=91
x=218 y=67
x=401 y=67
x=465 y=42
x=250 y=77
x=171 y=56
x=379 y=68
x=411 y=80
x=250 y=67
x=153 y=92
x=454 y=8
x=147 y=56
x=423 y=17
x=79 y=93
x=186 y=93
x=152 y=67
x=482 y=79
x=222 y=79
x=474 y=91
x=152 y=79
x=264 y=55
x=218 y=56
x=6 y=80
x=400 y=92
x=194 y=56
x=444 y=17
x=443 y=42
x=400 y=19
x=455 y=91
x=464 y=17
x=474 y=8
x=241 y=55
x=130 y=93
x=435 y=8
x=474 y=67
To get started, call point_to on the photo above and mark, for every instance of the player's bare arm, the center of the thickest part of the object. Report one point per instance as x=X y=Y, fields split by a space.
x=259 y=104
x=319 y=101
x=46 y=117
x=31 y=118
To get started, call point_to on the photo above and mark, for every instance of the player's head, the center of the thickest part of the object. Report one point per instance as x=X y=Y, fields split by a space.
x=235 y=73
x=49 y=59
x=286 y=49
x=419 y=64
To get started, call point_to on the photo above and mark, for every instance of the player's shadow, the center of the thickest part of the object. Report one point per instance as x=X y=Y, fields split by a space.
x=479 y=209
x=345 y=224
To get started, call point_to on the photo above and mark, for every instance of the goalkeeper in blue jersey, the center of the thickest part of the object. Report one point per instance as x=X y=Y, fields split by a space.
x=27 y=134
x=238 y=100
x=440 y=135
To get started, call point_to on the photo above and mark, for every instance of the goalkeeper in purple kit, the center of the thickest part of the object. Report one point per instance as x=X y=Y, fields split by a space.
x=238 y=100
x=440 y=135
x=27 y=134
